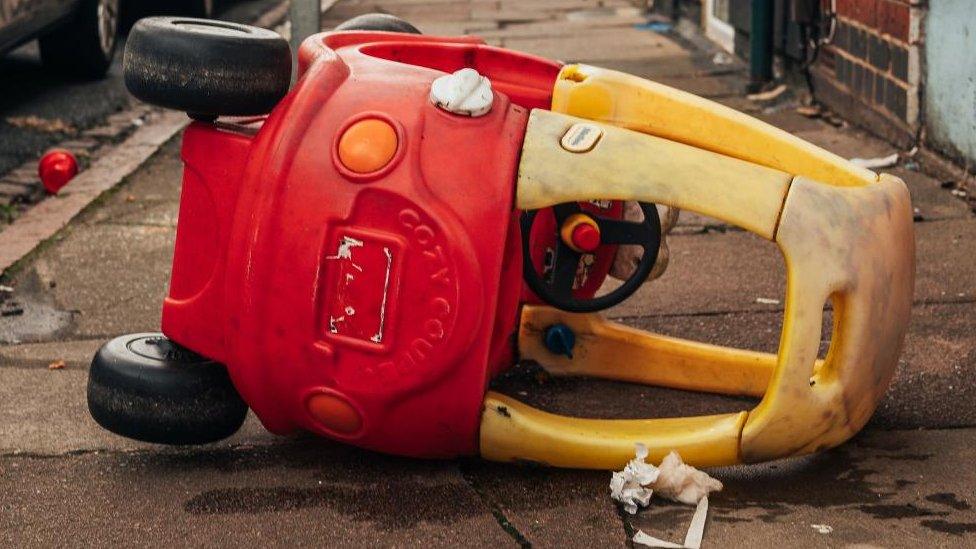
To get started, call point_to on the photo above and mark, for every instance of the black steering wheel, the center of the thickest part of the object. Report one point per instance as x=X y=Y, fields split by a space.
x=555 y=285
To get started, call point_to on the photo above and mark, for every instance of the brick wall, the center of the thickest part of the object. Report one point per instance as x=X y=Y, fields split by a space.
x=874 y=56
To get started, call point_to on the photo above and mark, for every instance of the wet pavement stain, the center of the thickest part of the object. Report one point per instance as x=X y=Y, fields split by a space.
x=907 y=457
x=953 y=528
x=949 y=500
x=771 y=488
x=900 y=511
x=381 y=505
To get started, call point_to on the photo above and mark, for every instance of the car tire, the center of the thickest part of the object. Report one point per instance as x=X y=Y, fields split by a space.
x=85 y=45
x=146 y=387
x=206 y=68
x=378 y=22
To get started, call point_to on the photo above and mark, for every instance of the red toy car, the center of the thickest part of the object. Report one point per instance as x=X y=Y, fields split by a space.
x=354 y=257
x=363 y=260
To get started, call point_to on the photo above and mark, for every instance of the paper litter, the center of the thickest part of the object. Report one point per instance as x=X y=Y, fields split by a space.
x=879 y=162
x=822 y=528
x=674 y=480
x=683 y=483
x=768 y=94
x=632 y=486
x=693 y=539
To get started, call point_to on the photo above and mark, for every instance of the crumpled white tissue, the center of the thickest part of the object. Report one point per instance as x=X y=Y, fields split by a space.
x=465 y=92
x=632 y=485
x=674 y=480
x=683 y=483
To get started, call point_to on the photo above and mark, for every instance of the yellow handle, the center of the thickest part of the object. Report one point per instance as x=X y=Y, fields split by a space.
x=849 y=240
x=630 y=102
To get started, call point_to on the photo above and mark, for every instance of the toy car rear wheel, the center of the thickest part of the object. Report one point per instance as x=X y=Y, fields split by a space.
x=378 y=22
x=145 y=386
x=206 y=67
x=85 y=46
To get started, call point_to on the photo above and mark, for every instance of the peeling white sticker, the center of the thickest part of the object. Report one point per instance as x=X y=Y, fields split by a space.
x=345 y=248
x=378 y=338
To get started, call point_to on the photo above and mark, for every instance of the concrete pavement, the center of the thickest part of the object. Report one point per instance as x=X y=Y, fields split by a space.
x=907 y=481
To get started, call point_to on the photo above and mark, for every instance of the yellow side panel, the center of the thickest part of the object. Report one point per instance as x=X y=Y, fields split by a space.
x=513 y=431
x=856 y=247
x=609 y=350
x=648 y=107
x=626 y=165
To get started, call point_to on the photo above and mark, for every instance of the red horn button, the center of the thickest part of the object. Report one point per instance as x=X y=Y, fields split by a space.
x=581 y=233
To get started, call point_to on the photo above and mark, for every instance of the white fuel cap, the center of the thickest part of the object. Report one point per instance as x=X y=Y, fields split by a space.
x=465 y=92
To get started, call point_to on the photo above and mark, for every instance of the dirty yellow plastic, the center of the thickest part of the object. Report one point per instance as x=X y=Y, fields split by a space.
x=855 y=247
x=847 y=242
x=609 y=350
x=518 y=432
x=627 y=165
x=627 y=101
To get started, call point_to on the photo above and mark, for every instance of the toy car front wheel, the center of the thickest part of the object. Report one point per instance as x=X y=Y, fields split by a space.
x=86 y=45
x=146 y=387
x=377 y=22
x=206 y=67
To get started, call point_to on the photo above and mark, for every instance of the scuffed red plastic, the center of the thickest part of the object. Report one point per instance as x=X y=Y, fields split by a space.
x=396 y=290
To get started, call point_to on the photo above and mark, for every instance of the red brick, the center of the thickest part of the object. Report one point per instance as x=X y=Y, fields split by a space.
x=866 y=11
x=845 y=8
x=893 y=19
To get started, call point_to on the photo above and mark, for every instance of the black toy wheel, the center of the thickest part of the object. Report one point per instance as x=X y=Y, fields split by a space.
x=378 y=22
x=555 y=286
x=206 y=67
x=146 y=387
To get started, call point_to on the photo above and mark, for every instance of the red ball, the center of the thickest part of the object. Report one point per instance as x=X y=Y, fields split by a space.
x=56 y=168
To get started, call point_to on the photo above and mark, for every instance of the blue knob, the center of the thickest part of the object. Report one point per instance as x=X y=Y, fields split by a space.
x=560 y=340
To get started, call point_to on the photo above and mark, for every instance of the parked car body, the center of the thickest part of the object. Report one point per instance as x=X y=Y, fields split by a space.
x=80 y=36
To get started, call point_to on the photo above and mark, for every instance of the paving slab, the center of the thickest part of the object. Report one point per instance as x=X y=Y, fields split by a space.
x=456 y=28
x=930 y=388
x=848 y=143
x=725 y=272
x=709 y=88
x=551 y=508
x=599 y=44
x=308 y=494
x=150 y=196
x=930 y=200
x=45 y=412
x=883 y=489
x=787 y=119
x=75 y=353
x=685 y=64
x=714 y=272
x=115 y=276
x=561 y=27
